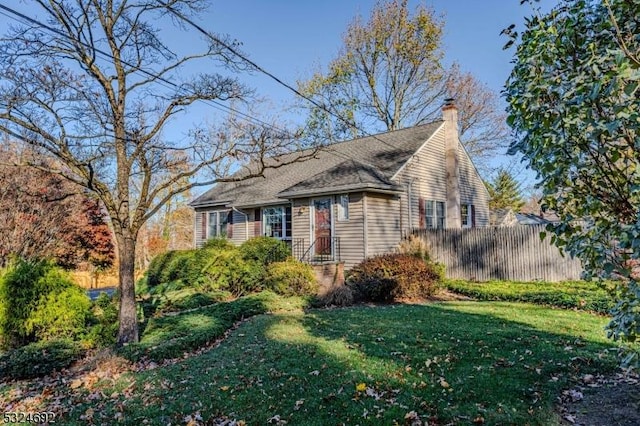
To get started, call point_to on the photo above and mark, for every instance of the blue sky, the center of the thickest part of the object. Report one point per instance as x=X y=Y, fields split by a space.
x=290 y=38
x=293 y=38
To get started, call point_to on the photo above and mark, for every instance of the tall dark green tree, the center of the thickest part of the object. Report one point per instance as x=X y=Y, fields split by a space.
x=573 y=104
x=505 y=192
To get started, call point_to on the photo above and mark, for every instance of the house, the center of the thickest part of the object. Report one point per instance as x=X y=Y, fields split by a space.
x=502 y=217
x=543 y=218
x=353 y=199
x=507 y=217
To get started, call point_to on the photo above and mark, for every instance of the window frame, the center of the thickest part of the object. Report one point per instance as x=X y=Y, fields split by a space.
x=286 y=221
x=467 y=221
x=343 y=207
x=221 y=223
x=438 y=217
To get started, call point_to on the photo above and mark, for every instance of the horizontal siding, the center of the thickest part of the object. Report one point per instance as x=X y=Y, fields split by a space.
x=199 y=241
x=198 y=229
x=383 y=224
x=351 y=232
x=300 y=220
x=239 y=233
x=425 y=173
x=472 y=189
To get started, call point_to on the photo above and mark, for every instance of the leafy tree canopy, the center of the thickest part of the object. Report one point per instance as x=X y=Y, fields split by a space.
x=573 y=104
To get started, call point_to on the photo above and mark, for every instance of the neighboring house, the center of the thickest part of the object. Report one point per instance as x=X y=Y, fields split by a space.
x=353 y=199
x=536 y=219
x=507 y=217
x=502 y=217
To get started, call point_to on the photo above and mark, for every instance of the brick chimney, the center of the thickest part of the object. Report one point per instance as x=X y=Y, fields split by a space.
x=451 y=145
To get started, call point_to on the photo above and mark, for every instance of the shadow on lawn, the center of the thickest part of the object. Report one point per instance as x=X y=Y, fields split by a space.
x=375 y=365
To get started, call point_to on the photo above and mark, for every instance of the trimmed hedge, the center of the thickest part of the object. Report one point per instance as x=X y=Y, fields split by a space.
x=265 y=250
x=392 y=277
x=228 y=270
x=580 y=295
x=39 y=359
x=172 y=336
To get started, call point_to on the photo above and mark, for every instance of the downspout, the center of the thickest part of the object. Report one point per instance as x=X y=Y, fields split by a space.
x=409 y=206
x=246 y=222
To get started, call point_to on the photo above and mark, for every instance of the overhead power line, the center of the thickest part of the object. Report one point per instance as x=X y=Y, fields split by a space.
x=269 y=74
x=163 y=81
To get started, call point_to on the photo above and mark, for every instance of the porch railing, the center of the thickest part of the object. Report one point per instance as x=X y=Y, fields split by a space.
x=323 y=249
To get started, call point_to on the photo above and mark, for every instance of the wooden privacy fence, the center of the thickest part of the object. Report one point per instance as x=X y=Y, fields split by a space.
x=501 y=253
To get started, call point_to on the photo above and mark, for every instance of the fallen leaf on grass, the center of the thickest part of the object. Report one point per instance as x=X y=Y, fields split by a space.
x=276 y=420
x=412 y=418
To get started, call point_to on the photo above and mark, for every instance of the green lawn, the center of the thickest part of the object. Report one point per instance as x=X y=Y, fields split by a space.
x=503 y=363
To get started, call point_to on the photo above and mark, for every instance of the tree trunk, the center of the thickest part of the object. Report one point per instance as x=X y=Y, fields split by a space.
x=128 y=330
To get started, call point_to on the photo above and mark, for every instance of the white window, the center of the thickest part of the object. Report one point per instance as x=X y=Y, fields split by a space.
x=218 y=224
x=467 y=212
x=343 y=207
x=276 y=222
x=434 y=212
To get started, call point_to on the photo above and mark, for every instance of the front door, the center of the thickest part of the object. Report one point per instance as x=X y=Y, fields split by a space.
x=322 y=222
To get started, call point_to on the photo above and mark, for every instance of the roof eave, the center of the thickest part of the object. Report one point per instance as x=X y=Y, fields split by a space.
x=387 y=189
x=209 y=203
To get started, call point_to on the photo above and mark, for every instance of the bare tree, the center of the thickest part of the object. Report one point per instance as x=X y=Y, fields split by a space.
x=482 y=122
x=96 y=87
x=389 y=75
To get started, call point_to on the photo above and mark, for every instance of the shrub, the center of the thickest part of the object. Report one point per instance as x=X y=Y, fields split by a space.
x=62 y=309
x=392 y=277
x=39 y=359
x=291 y=278
x=580 y=295
x=228 y=270
x=265 y=250
x=178 y=266
x=182 y=300
x=39 y=301
x=185 y=266
x=156 y=267
x=338 y=296
x=218 y=244
x=104 y=322
x=414 y=246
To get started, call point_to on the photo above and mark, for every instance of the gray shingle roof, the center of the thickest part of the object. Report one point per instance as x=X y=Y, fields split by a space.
x=363 y=163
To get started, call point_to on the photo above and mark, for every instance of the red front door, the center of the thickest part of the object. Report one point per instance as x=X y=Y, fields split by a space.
x=322 y=222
